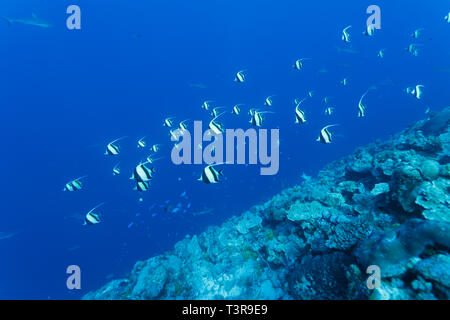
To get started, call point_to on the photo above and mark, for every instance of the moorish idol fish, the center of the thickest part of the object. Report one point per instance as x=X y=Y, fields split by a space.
x=210 y=174
x=413 y=49
x=416 y=34
x=207 y=104
x=112 y=149
x=143 y=173
x=361 y=106
x=299 y=115
x=236 y=109
x=325 y=135
x=141 y=143
x=416 y=91
x=183 y=125
x=370 y=30
x=257 y=118
x=74 y=185
x=346 y=35
x=168 y=122
x=215 y=127
x=298 y=65
x=92 y=217
x=240 y=76
x=329 y=111
x=116 y=169
x=269 y=101
x=155 y=148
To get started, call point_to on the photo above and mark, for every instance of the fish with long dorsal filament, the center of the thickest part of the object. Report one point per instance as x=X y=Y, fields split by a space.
x=346 y=34
x=269 y=101
x=240 y=76
x=416 y=34
x=257 y=117
x=143 y=173
x=168 y=122
x=215 y=127
x=325 y=136
x=416 y=91
x=141 y=143
x=210 y=174
x=207 y=104
x=298 y=64
x=74 y=185
x=413 y=49
x=299 y=114
x=236 y=109
x=361 y=106
x=116 y=169
x=112 y=149
x=91 y=217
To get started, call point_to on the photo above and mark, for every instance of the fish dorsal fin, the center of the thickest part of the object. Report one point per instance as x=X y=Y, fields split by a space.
x=215 y=118
x=96 y=207
x=80 y=178
x=330 y=126
x=121 y=138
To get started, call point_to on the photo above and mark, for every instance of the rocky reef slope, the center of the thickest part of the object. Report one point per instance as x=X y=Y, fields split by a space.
x=385 y=205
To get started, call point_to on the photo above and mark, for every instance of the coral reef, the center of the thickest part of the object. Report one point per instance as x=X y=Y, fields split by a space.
x=385 y=205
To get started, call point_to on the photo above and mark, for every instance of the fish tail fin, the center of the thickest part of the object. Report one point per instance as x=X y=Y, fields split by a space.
x=221 y=172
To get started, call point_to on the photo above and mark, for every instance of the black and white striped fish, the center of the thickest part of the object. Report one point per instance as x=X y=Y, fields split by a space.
x=210 y=174
x=258 y=118
x=91 y=217
x=325 y=136
x=269 y=101
x=240 y=76
x=236 y=109
x=183 y=125
x=112 y=149
x=207 y=104
x=143 y=173
x=155 y=148
x=299 y=115
x=74 y=185
x=215 y=127
x=141 y=143
x=298 y=65
x=329 y=111
x=168 y=122
x=346 y=35
x=116 y=169
x=361 y=106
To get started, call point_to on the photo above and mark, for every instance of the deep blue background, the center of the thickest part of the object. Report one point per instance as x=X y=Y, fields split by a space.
x=65 y=94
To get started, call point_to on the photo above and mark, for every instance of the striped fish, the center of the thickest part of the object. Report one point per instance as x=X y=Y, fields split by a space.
x=346 y=35
x=215 y=127
x=210 y=174
x=91 y=217
x=143 y=173
x=112 y=149
x=325 y=135
x=240 y=76
x=74 y=185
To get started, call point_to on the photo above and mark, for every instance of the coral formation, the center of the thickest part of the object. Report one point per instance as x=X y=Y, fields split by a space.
x=385 y=205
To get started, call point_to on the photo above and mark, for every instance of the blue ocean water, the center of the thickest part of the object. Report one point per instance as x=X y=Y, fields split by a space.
x=65 y=94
